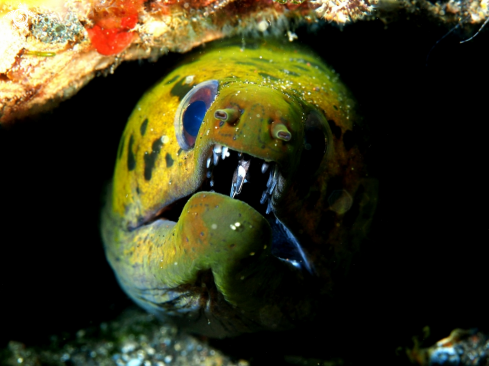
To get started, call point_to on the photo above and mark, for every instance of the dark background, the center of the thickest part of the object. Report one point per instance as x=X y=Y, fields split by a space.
x=424 y=264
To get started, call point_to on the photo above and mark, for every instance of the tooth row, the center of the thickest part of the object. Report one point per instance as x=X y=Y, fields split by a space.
x=266 y=197
x=270 y=179
x=215 y=156
x=239 y=177
x=225 y=152
x=269 y=207
x=274 y=177
x=213 y=160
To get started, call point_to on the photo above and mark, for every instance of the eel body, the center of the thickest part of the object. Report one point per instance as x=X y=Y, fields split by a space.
x=240 y=193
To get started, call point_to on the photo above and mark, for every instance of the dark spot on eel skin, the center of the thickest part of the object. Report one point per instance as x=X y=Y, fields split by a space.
x=180 y=89
x=121 y=147
x=268 y=76
x=131 y=160
x=326 y=223
x=150 y=159
x=313 y=199
x=172 y=80
x=309 y=63
x=349 y=139
x=287 y=72
x=300 y=68
x=169 y=160
x=179 y=151
x=144 y=125
x=335 y=129
x=247 y=63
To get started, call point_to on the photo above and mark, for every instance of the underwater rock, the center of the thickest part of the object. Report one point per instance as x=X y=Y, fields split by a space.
x=50 y=49
x=134 y=339
x=460 y=348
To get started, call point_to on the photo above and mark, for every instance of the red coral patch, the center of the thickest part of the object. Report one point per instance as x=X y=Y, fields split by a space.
x=110 y=41
x=113 y=21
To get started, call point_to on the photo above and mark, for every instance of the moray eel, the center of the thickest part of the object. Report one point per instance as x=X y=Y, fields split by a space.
x=240 y=193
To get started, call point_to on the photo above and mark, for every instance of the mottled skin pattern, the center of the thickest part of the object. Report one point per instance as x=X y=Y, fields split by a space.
x=213 y=279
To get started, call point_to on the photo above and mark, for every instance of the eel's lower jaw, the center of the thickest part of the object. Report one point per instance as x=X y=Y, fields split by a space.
x=253 y=181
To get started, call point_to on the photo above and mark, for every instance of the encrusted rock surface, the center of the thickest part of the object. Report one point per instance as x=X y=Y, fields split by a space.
x=135 y=339
x=461 y=347
x=50 y=49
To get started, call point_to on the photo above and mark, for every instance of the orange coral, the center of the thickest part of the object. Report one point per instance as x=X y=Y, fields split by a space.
x=113 y=21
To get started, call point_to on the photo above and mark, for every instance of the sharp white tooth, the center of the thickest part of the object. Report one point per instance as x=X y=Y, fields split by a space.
x=270 y=179
x=264 y=168
x=208 y=162
x=217 y=149
x=241 y=171
x=224 y=153
x=240 y=179
x=208 y=174
x=216 y=157
x=233 y=184
x=272 y=187
x=269 y=207
x=274 y=180
x=212 y=183
x=264 y=196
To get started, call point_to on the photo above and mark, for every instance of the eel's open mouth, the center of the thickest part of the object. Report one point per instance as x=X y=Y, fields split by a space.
x=253 y=181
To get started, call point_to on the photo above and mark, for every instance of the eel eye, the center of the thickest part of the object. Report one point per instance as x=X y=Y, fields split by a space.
x=191 y=112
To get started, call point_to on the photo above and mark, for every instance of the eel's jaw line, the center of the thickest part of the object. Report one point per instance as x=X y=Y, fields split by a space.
x=219 y=178
x=271 y=194
x=307 y=264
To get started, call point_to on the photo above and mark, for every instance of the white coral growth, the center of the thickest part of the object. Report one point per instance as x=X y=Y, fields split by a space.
x=343 y=11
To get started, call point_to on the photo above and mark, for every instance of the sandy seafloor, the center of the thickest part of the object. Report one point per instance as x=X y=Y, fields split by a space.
x=425 y=263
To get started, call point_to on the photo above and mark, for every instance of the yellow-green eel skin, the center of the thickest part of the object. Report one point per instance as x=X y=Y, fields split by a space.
x=215 y=268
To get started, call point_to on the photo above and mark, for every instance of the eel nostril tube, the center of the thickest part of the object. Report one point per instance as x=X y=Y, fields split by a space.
x=229 y=115
x=279 y=131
